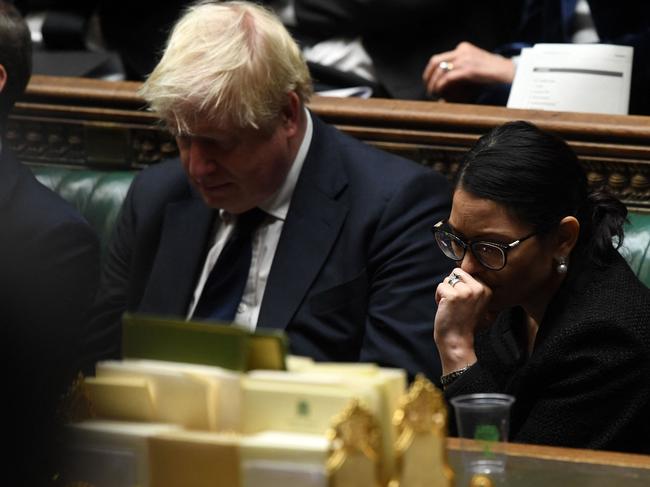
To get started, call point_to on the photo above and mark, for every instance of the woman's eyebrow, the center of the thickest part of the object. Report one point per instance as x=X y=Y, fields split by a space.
x=491 y=237
x=455 y=231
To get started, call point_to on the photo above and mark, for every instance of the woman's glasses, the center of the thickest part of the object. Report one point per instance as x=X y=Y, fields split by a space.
x=492 y=255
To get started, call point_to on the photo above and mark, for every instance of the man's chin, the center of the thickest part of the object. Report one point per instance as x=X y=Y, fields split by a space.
x=234 y=206
x=218 y=198
x=212 y=202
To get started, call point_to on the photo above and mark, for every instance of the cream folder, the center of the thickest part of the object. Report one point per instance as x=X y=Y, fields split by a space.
x=110 y=453
x=284 y=401
x=126 y=398
x=194 y=396
x=223 y=387
x=387 y=386
x=279 y=459
x=194 y=459
x=269 y=459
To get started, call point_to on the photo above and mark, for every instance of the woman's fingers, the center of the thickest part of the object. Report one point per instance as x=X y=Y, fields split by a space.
x=466 y=63
x=462 y=303
x=439 y=65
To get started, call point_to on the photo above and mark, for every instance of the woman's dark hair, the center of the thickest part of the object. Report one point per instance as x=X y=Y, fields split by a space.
x=15 y=56
x=537 y=176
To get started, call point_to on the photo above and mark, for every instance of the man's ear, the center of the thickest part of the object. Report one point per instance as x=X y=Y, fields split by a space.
x=3 y=77
x=292 y=114
x=567 y=235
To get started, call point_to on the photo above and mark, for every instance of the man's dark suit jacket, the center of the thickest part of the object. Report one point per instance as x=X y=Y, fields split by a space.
x=354 y=272
x=49 y=272
x=586 y=383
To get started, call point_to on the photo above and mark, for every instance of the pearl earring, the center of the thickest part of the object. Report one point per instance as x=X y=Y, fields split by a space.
x=562 y=266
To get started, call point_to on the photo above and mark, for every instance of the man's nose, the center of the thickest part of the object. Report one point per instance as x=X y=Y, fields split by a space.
x=200 y=161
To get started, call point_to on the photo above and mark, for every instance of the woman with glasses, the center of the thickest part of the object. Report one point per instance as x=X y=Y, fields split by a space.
x=541 y=305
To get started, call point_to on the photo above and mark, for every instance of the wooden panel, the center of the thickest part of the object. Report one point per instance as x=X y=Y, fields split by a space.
x=93 y=122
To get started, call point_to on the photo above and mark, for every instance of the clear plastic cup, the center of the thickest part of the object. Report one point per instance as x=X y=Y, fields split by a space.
x=484 y=419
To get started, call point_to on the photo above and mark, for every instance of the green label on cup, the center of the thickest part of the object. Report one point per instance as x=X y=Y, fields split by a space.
x=487 y=433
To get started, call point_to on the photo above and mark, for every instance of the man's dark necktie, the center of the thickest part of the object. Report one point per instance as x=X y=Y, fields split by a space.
x=225 y=285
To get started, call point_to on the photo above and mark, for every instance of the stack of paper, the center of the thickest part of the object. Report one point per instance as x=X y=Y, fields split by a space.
x=221 y=427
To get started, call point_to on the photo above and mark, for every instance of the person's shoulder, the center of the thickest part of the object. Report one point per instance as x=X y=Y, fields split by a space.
x=162 y=175
x=160 y=183
x=624 y=284
x=629 y=292
x=38 y=224
x=33 y=205
x=609 y=298
x=367 y=162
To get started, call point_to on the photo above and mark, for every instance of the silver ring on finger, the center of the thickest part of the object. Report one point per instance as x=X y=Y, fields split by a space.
x=453 y=279
x=446 y=66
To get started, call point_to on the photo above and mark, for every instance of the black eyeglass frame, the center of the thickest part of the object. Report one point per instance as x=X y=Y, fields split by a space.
x=504 y=248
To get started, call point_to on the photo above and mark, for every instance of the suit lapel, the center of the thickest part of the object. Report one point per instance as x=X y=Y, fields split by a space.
x=313 y=223
x=184 y=238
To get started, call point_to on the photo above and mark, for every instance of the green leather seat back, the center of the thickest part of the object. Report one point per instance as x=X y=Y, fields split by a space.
x=97 y=194
x=636 y=245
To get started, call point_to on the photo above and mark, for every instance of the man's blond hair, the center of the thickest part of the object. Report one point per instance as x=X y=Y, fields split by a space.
x=228 y=63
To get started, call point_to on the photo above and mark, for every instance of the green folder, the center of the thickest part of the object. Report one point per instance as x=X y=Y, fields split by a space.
x=199 y=342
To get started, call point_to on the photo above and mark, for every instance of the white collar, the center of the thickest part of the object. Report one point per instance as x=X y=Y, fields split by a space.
x=278 y=203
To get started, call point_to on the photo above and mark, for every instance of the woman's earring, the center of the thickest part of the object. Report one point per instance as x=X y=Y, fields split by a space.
x=562 y=266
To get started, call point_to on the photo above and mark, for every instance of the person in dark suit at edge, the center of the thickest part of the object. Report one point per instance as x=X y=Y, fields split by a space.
x=49 y=272
x=625 y=23
x=342 y=260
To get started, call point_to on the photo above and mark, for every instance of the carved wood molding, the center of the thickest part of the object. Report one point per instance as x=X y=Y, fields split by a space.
x=95 y=123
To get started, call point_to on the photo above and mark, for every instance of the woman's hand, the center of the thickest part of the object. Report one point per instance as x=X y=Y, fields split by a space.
x=462 y=309
x=466 y=63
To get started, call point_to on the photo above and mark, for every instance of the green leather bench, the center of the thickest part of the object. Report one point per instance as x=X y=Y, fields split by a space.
x=98 y=194
x=636 y=245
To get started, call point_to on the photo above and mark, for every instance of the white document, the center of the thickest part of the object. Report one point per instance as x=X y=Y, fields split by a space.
x=592 y=78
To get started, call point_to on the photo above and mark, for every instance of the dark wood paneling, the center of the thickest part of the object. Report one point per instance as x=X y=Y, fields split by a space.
x=103 y=123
